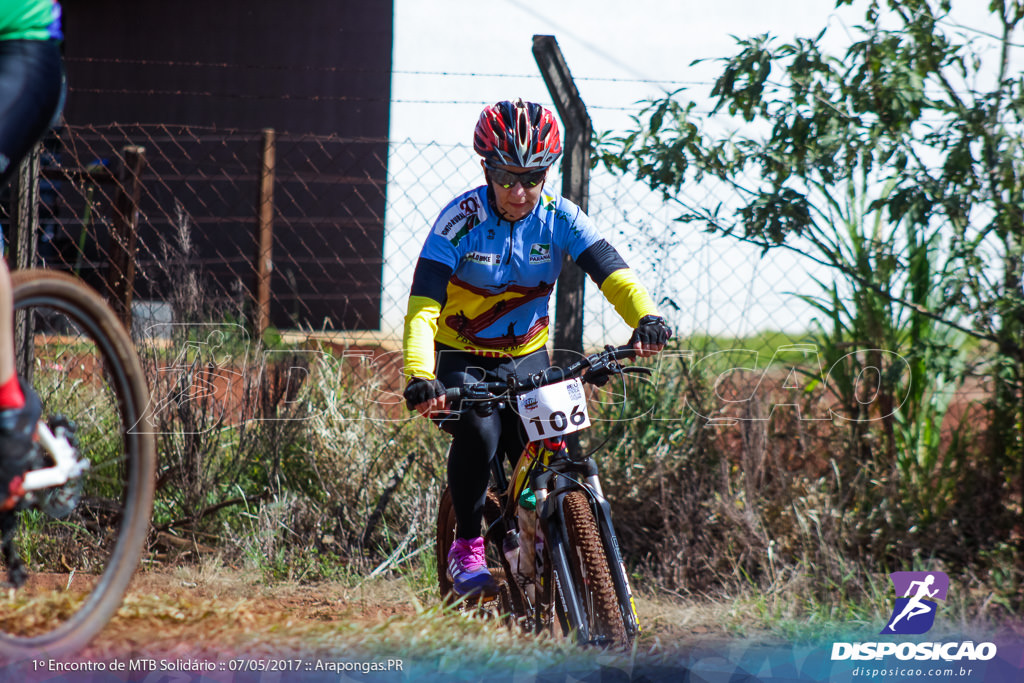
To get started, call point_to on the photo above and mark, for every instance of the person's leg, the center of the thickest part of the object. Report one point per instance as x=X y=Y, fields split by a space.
x=478 y=439
x=11 y=395
x=31 y=97
x=474 y=442
x=20 y=408
x=513 y=434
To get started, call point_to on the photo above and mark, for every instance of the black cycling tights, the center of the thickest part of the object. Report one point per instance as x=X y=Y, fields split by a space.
x=478 y=439
x=31 y=97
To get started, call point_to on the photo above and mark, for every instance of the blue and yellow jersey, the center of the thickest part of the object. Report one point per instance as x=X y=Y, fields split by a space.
x=30 y=20
x=483 y=284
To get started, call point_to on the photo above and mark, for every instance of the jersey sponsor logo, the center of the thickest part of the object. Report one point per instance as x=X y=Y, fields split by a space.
x=551 y=205
x=540 y=253
x=485 y=354
x=459 y=225
x=447 y=228
x=483 y=259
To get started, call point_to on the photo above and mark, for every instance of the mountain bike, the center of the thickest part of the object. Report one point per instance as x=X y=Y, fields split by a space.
x=74 y=541
x=551 y=544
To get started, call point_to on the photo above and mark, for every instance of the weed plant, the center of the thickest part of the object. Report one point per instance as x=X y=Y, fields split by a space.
x=730 y=477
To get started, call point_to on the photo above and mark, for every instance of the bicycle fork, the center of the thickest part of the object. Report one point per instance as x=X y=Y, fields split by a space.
x=552 y=520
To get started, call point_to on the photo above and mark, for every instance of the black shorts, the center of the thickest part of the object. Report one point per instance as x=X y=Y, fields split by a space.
x=31 y=97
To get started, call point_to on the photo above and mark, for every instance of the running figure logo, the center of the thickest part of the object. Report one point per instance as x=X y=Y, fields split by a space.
x=914 y=612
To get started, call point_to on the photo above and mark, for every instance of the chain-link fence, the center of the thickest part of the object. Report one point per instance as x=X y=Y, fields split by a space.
x=322 y=233
x=347 y=220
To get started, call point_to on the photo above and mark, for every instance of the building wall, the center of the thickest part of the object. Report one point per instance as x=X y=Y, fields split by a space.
x=316 y=71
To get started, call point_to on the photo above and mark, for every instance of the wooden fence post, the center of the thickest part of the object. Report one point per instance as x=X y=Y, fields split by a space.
x=124 y=233
x=265 y=237
x=576 y=188
x=22 y=244
x=568 y=340
x=25 y=211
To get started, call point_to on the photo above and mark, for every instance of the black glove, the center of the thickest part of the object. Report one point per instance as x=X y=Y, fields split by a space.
x=421 y=390
x=652 y=330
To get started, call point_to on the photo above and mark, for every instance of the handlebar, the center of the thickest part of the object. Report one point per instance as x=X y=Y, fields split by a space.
x=591 y=368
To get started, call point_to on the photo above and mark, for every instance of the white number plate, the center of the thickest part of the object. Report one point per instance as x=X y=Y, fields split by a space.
x=554 y=410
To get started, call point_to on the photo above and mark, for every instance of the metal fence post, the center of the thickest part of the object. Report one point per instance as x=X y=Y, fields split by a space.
x=265 y=238
x=575 y=187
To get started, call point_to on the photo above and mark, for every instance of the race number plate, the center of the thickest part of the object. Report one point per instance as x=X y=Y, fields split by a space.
x=554 y=410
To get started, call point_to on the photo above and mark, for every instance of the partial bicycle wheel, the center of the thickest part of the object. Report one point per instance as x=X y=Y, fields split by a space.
x=591 y=577
x=445 y=538
x=80 y=544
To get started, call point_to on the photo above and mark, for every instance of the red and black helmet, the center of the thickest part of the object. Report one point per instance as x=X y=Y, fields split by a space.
x=517 y=134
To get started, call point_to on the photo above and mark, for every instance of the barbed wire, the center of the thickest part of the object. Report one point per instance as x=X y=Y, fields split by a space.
x=355 y=69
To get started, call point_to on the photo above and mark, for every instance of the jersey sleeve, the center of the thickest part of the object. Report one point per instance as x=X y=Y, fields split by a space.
x=418 y=338
x=617 y=281
x=628 y=296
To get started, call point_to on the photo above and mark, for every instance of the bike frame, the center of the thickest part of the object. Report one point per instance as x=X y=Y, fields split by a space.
x=67 y=465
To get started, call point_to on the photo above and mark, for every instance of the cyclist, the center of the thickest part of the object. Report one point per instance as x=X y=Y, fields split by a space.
x=478 y=304
x=31 y=99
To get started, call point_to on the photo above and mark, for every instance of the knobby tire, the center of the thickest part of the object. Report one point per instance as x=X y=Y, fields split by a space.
x=591 y=575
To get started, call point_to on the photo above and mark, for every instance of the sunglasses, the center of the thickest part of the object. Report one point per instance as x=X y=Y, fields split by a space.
x=507 y=179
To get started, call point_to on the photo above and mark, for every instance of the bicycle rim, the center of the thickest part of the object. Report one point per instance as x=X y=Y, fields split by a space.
x=83 y=365
x=591 y=576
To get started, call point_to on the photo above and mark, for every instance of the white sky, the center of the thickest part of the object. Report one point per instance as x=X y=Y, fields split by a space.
x=451 y=57
x=640 y=39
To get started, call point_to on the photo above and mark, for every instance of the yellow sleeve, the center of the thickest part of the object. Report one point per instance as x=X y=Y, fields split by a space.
x=418 y=338
x=628 y=296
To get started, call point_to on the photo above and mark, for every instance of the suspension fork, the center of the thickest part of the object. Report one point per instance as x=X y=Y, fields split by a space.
x=553 y=517
x=603 y=514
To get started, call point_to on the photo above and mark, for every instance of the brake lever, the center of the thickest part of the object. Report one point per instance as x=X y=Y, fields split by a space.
x=600 y=373
x=607 y=370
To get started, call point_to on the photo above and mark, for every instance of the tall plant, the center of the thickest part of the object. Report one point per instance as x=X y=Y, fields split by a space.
x=895 y=165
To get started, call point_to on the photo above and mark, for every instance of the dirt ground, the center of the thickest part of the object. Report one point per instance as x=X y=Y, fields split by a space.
x=223 y=618
x=212 y=613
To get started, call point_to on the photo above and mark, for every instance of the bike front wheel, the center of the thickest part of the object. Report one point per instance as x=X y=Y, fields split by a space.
x=590 y=574
x=80 y=556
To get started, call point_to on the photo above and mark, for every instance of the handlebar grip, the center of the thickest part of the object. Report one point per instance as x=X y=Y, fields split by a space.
x=624 y=352
x=552 y=375
x=453 y=395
